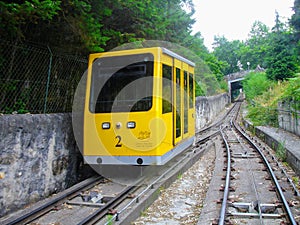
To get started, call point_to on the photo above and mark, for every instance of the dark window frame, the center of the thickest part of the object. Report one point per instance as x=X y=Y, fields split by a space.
x=167 y=88
x=185 y=102
x=178 y=102
x=111 y=74
x=191 y=90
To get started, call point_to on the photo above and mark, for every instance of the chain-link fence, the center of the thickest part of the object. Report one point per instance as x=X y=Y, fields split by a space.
x=36 y=79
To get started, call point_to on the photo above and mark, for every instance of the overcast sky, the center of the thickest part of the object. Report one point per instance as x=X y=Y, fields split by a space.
x=234 y=18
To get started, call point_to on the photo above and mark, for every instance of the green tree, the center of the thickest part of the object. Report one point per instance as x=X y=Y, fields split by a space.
x=255 y=48
x=70 y=25
x=15 y=17
x=228 y=53
x=281 y=57
x=295 y=22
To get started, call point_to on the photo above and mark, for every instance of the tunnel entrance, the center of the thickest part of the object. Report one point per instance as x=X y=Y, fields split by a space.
x=235 y=89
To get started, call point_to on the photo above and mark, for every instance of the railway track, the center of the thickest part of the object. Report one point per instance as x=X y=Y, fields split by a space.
x=253 y=194
x=44 y=207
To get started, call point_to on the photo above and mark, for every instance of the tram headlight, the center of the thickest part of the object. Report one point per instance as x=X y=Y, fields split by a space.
x=131 y=125
x=105 y=125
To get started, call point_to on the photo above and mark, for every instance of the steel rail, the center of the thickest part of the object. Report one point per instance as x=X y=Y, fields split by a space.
x=217 y=123
x=43 y=209
x=227 y=183
x=296 y=191
x=101 y=212
x=222 y=216
x=279 y=190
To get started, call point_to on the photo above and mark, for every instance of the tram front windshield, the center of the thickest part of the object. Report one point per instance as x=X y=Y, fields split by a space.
x=122 y=84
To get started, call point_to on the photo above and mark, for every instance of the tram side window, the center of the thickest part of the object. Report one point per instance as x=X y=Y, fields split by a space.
x=166 y=89
x=178 y=103
x=191 y=90
x=185 y=102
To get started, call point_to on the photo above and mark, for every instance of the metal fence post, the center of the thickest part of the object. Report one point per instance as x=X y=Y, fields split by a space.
x=48 y=80
x=35 y=79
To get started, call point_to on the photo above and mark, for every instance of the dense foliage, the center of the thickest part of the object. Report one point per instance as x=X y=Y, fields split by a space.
x=255 y=84
x=292 y=90
x=94 y=25
x=262 y=99
x=281 y=57
x=295 y=22
x=263 y=96
x=84 y=26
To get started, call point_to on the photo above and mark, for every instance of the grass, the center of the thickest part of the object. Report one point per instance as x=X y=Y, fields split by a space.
x=109 y=219
x=296 y=181
x=179 y=176
x=144 y=213
x=263 y=110
x=281 y=152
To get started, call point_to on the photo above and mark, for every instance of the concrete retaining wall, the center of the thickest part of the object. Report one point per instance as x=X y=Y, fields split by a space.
x=288 y=117
x=207 y=108
x=276 y=145
x=39 y=155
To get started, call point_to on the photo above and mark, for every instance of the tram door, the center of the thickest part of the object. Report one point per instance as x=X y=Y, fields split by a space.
x=177 y=101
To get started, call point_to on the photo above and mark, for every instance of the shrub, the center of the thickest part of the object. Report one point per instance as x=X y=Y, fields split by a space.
x=255 y=84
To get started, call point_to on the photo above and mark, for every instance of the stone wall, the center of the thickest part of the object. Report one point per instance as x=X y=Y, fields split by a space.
x=288 y=117
x=38 y=157
x=207 y=108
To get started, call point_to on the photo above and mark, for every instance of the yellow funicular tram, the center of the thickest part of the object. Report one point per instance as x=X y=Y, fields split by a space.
x=139 y=107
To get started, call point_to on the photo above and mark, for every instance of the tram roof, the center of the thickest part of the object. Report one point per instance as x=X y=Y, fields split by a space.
x=164 y=51
x=179 y=57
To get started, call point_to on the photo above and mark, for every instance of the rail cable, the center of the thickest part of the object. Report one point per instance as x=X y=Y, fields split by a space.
x=232 y=122
x=251 y=171
x=273 y=176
